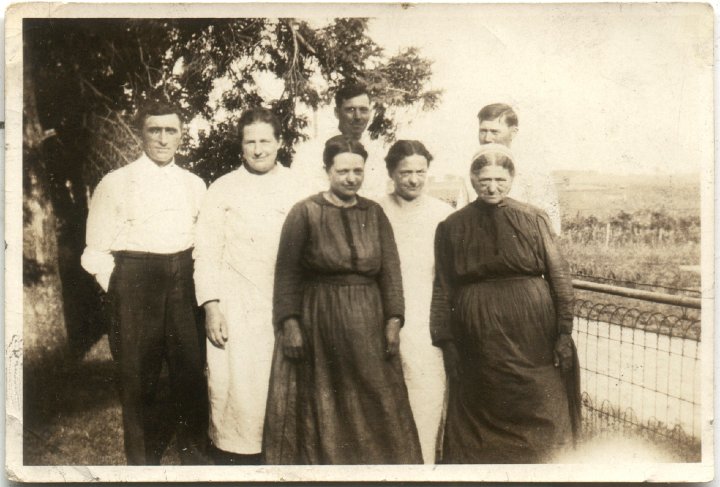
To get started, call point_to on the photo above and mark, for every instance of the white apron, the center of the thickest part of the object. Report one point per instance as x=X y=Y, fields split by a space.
x=253 y=210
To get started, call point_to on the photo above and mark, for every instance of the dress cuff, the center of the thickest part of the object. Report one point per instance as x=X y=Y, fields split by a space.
x=396 y=316
x=204 y=293
x=565 y=327
x=283 y=317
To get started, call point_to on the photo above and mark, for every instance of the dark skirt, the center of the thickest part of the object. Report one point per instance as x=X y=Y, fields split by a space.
x=345 y=402
x=510 y=404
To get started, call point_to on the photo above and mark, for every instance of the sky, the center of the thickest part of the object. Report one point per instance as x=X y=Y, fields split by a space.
x=619 y=88
x=612 y=88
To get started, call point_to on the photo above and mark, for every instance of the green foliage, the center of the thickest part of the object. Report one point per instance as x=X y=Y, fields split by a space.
x=212 y=67
x=640 y=227
x=644 y=263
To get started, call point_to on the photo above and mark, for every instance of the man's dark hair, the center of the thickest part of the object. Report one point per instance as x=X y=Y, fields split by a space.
x=405 y=148
x=156 y=108
x=350 y=90
x=500 y=111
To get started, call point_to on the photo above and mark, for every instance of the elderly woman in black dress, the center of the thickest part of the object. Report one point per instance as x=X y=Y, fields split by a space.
x=502 y=313
x=337 y=393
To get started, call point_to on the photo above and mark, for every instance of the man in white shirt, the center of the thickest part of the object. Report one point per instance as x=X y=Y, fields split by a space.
x=140 y=234
x=353 y=111
x=533 y=185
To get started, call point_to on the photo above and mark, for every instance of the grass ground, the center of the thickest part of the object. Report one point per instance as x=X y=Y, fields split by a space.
x=654 y=268
x=72 y=412
x=655 y=265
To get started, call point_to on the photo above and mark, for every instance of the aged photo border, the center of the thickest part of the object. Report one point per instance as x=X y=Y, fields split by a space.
x=14 y=292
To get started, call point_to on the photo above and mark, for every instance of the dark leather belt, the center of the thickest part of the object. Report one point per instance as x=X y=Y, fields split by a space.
x=134 y=255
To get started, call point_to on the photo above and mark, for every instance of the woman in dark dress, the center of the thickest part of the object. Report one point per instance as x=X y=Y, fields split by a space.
x=337 y=393
x=502 y=313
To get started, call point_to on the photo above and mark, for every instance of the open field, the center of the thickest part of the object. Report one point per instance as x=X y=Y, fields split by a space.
x=603 y=195
x=590 y=193
x=658 y=254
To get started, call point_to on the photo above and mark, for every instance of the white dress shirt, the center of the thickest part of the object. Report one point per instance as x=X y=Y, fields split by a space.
x=140 y=207
x=308 y=166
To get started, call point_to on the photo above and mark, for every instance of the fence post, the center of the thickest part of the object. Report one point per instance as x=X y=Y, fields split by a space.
x=607 y=235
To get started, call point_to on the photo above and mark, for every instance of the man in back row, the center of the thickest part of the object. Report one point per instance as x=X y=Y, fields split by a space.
x=353 y=110
x=498 y=123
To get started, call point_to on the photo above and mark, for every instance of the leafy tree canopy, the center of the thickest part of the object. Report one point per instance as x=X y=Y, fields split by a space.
x=91 y=75
x=85 y=78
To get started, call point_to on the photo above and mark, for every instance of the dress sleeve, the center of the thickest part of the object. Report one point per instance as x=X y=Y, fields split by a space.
x=390 y=276
x=441 y=304
x=104 y=224
x=209 y=245
x=289 y=275
x=558 y=274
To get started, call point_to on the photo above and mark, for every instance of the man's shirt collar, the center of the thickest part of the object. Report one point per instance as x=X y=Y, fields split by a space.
x=148 y=164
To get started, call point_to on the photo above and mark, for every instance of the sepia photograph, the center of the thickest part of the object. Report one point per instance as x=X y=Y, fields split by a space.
x=359 y=242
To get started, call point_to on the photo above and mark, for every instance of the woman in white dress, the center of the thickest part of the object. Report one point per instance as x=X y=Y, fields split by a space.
x=414 y=217
x=238 y=232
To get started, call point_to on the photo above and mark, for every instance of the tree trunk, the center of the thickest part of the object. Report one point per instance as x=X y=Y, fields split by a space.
x=44 y=321
x=57 y=204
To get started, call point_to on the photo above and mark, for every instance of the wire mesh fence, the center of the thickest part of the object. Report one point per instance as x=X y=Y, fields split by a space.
x=640 y=376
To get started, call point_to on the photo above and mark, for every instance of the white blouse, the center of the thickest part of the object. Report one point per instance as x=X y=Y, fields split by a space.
x=141 y=207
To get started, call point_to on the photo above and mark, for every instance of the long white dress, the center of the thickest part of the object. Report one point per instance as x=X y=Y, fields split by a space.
x=238 y=233
x=414 y=223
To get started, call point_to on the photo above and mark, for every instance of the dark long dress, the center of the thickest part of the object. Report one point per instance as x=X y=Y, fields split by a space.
x=338 y=271
x=503 y=293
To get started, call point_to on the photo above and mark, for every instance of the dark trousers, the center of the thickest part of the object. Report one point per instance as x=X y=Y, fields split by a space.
x=154 y=319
